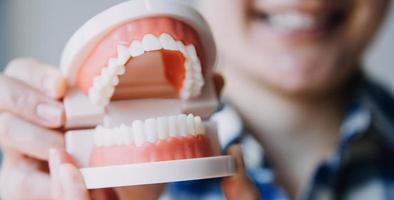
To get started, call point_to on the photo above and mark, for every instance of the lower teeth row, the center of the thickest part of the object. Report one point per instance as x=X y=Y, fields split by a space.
x=150 y=130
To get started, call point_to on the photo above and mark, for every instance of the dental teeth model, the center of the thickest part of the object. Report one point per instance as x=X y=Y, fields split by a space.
x=141 y=95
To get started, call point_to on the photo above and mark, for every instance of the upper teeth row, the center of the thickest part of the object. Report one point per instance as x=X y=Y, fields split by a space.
x=150 y=130
x=104 y=85
x=292 y=20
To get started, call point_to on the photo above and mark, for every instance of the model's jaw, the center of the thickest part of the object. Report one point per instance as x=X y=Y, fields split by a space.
x=154 y=67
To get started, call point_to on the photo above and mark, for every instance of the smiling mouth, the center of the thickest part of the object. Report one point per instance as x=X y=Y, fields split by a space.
x=294 y=21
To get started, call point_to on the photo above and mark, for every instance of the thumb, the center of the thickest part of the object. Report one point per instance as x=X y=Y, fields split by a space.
x=72 y=183
x=67 y=182
x=239 y=186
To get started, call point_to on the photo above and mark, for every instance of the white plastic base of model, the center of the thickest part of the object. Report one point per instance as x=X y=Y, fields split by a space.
x=80 y=143
x=158 y=172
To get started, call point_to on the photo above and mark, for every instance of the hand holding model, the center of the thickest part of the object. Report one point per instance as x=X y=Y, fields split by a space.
x=25 y=161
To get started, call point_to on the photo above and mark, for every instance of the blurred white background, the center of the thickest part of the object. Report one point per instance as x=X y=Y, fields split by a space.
x=40 y=29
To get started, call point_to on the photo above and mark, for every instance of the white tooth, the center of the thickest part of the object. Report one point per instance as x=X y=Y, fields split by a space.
x=113 y=62
x=136 y=48
x=162 y=128
x=191 y=51
x=197 y=67
x=123 y=54
x=150 y=130
x=101 y=81
x=115 y=81
x=138 y=132
x=187 y=84
x=181 y=125
x=108 y=91
x=199 y=125
x=182 y=48
x=172 y=126
x=117 y=136
x=107 y=139
x=111 y=70
x=190 y=124
x=126 y=134
x=168 y=42
x=185 y=94
x=188 y=65
x=121 y=70
x=291 y=20
x=150 y=43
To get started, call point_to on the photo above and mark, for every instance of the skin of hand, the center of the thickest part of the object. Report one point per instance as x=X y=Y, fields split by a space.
x=30 y=112
x=31 y=117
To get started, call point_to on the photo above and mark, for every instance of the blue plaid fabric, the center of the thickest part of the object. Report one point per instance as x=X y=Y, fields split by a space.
x=361 y=168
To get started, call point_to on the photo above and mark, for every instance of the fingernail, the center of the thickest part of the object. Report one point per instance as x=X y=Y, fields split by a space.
x=50 y=112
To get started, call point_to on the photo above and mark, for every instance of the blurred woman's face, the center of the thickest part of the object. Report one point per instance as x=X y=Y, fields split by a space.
x=299 y=47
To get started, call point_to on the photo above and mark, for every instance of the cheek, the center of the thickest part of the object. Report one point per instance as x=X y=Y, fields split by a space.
x=228 y=22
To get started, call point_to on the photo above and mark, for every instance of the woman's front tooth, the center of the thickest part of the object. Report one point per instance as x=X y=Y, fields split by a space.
x=150 y=43
x=138 y=133
x=162 y=128
x=199 y=125
x=190 y=124
x=150 y=130
x=136 y=48
x=168 y=42
x=172 y=126
x=123 y=54
x=191 y=51
x=182 y=126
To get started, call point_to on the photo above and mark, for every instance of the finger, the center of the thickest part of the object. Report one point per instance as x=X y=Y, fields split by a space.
x=56 y=158
x=239 y=186
x=23 y=180
x=72 y=183
x=219 y=83
x=148 y=192
x=27 y=138
x=24 y=101
x=39 y=75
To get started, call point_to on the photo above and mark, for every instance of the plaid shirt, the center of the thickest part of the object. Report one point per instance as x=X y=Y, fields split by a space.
x=361 y=168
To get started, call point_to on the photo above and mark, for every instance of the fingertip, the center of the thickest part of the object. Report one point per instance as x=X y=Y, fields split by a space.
x=72 y=183
x=236 y=151
x=55 y=85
